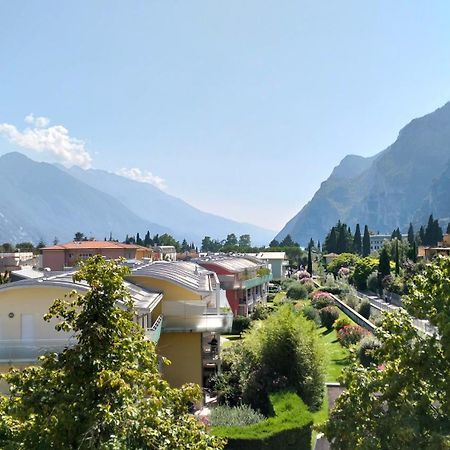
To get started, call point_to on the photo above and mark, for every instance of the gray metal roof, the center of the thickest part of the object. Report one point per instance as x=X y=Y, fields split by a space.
x=230 y=263
x=142 y=298
x=183 y=273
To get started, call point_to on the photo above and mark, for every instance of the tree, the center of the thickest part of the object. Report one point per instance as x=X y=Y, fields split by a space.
x=411 y=236
x=422 y=235
x=397 y=259
x=363 y=268
x=231 y=240
x=343 y=260
x=245 y=241
x=288 y=242
x=366 y=242
x=384 y=267
x=185 y=246
x=138 y=240
x=105 y=392
x=401 y=401
x=309 y=267
x=147 y=239
x=79 y=236
x=396 y=234
x=331 y=241
x=25 y=247
x=448 y=229
x=357 y=243
x=433 y=232
x=7 y=247
x=274 y=243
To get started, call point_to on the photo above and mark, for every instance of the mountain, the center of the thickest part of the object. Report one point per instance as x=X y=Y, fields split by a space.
x=405 y=182
x=40 y=201
x=154 y=205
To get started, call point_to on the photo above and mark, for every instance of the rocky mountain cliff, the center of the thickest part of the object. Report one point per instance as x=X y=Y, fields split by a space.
x=405 y=182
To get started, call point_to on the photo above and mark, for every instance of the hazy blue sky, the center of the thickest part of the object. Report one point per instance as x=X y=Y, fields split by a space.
x=240 y=107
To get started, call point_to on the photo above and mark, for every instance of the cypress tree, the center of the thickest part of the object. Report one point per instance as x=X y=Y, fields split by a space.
x=384 y=267
x=331 y=241
x=448 y=228
x=309 y=268
x=318 y=246
x=422 y=235
x=138 y=239
x=366 y=242
x=397 y=259
x=357 y=243
x=411 y=238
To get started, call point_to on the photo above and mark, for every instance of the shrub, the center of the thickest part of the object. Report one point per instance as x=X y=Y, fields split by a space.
x=372 y=282
x=328 y=316
x=289 y=429
x=311 y=313
x=261 y=312
x=364 y=308
x=286 y=283
x=351 y=334
x=343 y=272
x=308 y=283
x=365 y=350
x=270 y=297
x=297 y=291
x=341 y=323
x=363 y=268
x=302 y=274
x=343 y=260
x=231 y=416
x=351 y=300
x=321 y=299
x=240 y=324
x=336 y=290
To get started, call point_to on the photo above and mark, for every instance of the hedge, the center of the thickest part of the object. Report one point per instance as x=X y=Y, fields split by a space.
x=289 y=429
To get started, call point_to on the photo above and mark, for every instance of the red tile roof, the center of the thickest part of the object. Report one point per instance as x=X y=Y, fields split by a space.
x=93 y=245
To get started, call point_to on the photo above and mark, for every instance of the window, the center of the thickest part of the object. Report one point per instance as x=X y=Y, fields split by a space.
x=27 y=327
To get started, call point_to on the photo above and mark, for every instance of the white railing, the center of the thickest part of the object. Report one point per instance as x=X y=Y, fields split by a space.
x=31 y=349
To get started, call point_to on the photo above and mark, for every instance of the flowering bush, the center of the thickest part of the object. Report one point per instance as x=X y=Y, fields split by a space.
x=343 y=272
x=302 y=274
x=321 y=294
x=328 y=316
x=341 y=323
x=351 y=334
x=321 y=299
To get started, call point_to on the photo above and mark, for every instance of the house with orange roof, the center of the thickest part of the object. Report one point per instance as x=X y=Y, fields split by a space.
x=58 y=257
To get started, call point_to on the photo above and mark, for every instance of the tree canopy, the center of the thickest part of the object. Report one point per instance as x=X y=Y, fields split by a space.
x=402 y=400
x=105 y=392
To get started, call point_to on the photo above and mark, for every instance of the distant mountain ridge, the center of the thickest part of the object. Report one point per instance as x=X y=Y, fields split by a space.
x=44 y=201
x=404 y=183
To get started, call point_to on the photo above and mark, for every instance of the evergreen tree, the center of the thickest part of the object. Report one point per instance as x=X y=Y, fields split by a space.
x=357 y=242
x=397 y=259
x=366 y=242
x=309 y=267
x=422 y=235
x=311 y=243
x=274 y=243
x=384 y=267
x=287 y=242
x=448 y=228
x=318 y=246
x=331 y=241
x=184 y=246
x=138 y=239
x=411 y=238
x=147 y=239
x=433 y=232
x=245 y=241
x=231 y=240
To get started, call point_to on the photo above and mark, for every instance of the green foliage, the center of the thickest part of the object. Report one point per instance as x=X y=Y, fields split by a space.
x=321 y=299
x=286 y=283
x=279 y=352
x=405 y=403
x=5 y=277
x=393 y=284
x=433 y=232
x=106 y=391
x=234 y=416
x=384 y=267
x=289 y=429
x=328 y=316
x=366 y=242
x=364 y=308
x=357 y=241
x=366 y=350
x=343 y=260
x=297 y=291
x=342 y=322
x=339 y=239
x=372 y=282
x=240 y=324
x=311 y=313
x=261 y=312
x=363 y=268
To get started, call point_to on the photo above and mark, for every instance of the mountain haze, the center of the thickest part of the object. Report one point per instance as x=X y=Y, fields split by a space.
x=155 y=205
x=406 y=182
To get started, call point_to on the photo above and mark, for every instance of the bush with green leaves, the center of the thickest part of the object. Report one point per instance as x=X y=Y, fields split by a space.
x=240 y=324
x=328 y=316
x=341 y=323
x=308 y=283
x=286 y=283
x=372 y=282
x=351 y=334
x=366 y=350
x=281 y=352
x=297 y=291
x=311 y=313
x=321 y=299
x=343 y=260
x=260 y=312
x=234 y=416
x=364 y=308
x=363 y=268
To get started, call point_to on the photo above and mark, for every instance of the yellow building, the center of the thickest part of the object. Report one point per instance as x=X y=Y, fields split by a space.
x=25 y=335
x=177 y=304
x=192 y=318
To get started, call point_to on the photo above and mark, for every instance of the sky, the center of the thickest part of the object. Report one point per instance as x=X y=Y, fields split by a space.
x=242 y=108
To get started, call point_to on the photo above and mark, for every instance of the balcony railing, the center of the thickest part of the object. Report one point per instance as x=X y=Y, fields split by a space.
x=30 y=350
x=154 y=333
x=194 y=315
x=256 y=281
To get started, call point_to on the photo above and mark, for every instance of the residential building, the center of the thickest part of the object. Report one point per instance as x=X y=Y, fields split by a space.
x=429 y=252
x=62 y=256
x=329 y=257
x=165 y=253
x=377 y=241
x=25 y=335
x=244 y=279
x=277 y=262
x=16 y=260
x=193 y=318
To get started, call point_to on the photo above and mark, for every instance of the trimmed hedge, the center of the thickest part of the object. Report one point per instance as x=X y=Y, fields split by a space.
x=289 y=429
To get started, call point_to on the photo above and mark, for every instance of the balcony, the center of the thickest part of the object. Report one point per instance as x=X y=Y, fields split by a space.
x=256 y=281
x=196 y=316
x=153 y=334
x=29 y=350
